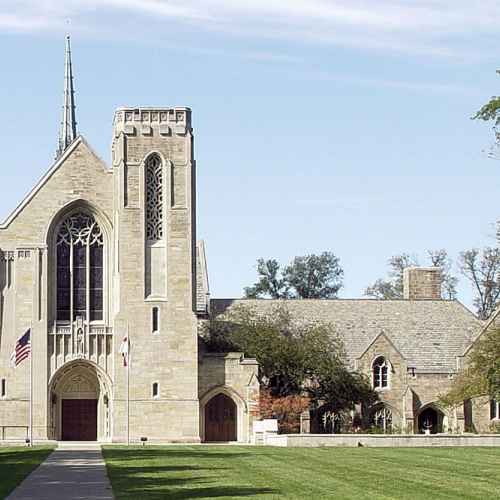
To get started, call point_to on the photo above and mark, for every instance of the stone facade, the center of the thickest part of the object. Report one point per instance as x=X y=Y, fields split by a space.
x=410 y=350
x=101 y=264
x=94 y=255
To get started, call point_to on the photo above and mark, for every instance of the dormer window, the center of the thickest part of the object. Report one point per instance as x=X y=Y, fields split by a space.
x=380 y=373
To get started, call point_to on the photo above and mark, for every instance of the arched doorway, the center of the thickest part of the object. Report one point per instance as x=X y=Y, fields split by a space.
x=79 y=403
x=220 y=419
x=430 y=420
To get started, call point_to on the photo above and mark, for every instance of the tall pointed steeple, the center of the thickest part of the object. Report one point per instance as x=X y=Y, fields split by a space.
x=67 y=134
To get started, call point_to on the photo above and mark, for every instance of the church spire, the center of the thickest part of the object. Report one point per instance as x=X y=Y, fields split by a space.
x=67 y=134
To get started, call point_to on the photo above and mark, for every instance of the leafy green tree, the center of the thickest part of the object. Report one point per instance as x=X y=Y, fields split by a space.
x=315 y=276
x=294 y=358
x=270 y=283
x=306 y=277
x=481 y=376
x=392 y=286
x=490 y=112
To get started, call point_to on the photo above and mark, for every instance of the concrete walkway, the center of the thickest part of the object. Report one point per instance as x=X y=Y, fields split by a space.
x=70 y=472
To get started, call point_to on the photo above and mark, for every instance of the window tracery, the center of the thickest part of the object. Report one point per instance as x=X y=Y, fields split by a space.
x=79 y=254
x=154 y=199
x=380 y=373
x=382 y=419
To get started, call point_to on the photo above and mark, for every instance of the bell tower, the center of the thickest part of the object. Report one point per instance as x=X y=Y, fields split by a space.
x=155 y=235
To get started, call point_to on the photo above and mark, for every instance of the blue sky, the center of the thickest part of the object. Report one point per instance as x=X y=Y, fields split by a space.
x=320 y=125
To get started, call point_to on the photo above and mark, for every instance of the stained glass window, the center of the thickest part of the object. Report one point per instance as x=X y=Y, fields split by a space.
x=79 y=256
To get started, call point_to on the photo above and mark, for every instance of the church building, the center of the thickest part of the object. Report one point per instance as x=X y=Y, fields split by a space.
x=101 y=265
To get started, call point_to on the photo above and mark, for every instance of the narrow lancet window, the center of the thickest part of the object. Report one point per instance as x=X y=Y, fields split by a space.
x=154 y=214
x=154 y=199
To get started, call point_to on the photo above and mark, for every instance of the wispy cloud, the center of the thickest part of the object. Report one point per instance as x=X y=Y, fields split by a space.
x=436 y=27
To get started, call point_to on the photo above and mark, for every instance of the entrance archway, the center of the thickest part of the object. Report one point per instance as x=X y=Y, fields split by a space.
x=79 y=403
x=221 y=419
x=430 y=419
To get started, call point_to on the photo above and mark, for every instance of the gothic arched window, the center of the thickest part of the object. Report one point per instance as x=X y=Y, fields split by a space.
x=380 y=373
x=154 y=199
x=79 y=253
x=382 y=418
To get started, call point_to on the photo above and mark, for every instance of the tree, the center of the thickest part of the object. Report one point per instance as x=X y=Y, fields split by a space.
x=482 y=269
x=491 y=112
x=270 y=283
x=449 y=282
x=481 y=376
x=306 y=277
x=315 y=276
x=295 y=358
x=392 y=287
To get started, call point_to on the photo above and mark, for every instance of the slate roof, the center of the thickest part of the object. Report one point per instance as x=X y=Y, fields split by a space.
x=202 y=288
x=429 y=334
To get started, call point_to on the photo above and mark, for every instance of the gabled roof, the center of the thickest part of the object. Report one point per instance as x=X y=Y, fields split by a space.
x=428 y=333
x=491 y=322
x=381 y=334
x=50 y=172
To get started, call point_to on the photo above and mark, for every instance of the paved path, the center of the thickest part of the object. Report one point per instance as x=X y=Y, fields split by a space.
x=68 y=473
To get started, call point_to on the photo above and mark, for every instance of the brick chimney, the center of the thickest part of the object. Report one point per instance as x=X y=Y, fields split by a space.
x=422 y=283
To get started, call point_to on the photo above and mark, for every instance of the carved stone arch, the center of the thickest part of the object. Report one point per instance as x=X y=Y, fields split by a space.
x=72 y=206
x=384 y=415
x=431 y=416
x=80 y=380
x=241 y=406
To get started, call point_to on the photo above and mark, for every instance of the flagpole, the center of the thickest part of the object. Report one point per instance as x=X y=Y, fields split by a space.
x=31 y=387
x=128 y=386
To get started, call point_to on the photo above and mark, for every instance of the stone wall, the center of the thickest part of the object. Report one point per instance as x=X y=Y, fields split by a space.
x=235 y=376
x=374 y=440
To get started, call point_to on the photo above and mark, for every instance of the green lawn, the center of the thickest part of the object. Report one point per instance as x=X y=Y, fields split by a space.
x=183 y=472
x=16 y=463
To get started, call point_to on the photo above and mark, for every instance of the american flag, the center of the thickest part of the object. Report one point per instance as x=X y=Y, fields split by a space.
x=23 y=348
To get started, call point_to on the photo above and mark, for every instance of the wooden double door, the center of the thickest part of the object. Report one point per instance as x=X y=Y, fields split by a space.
x=79 y=420
x=220 y=419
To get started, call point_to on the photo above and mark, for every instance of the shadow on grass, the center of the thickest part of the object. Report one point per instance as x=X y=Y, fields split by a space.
x=16 y=464
x=123 y=454
x=157 y=473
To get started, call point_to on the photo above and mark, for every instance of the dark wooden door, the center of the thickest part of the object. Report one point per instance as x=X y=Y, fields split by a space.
x=220 y=419
x=79 y=419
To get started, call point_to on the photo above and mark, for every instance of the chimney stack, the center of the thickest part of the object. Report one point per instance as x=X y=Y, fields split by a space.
x=422 y=283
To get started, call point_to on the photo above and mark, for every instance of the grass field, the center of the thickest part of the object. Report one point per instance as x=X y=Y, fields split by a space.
x=16 y=463
x=184 y=472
